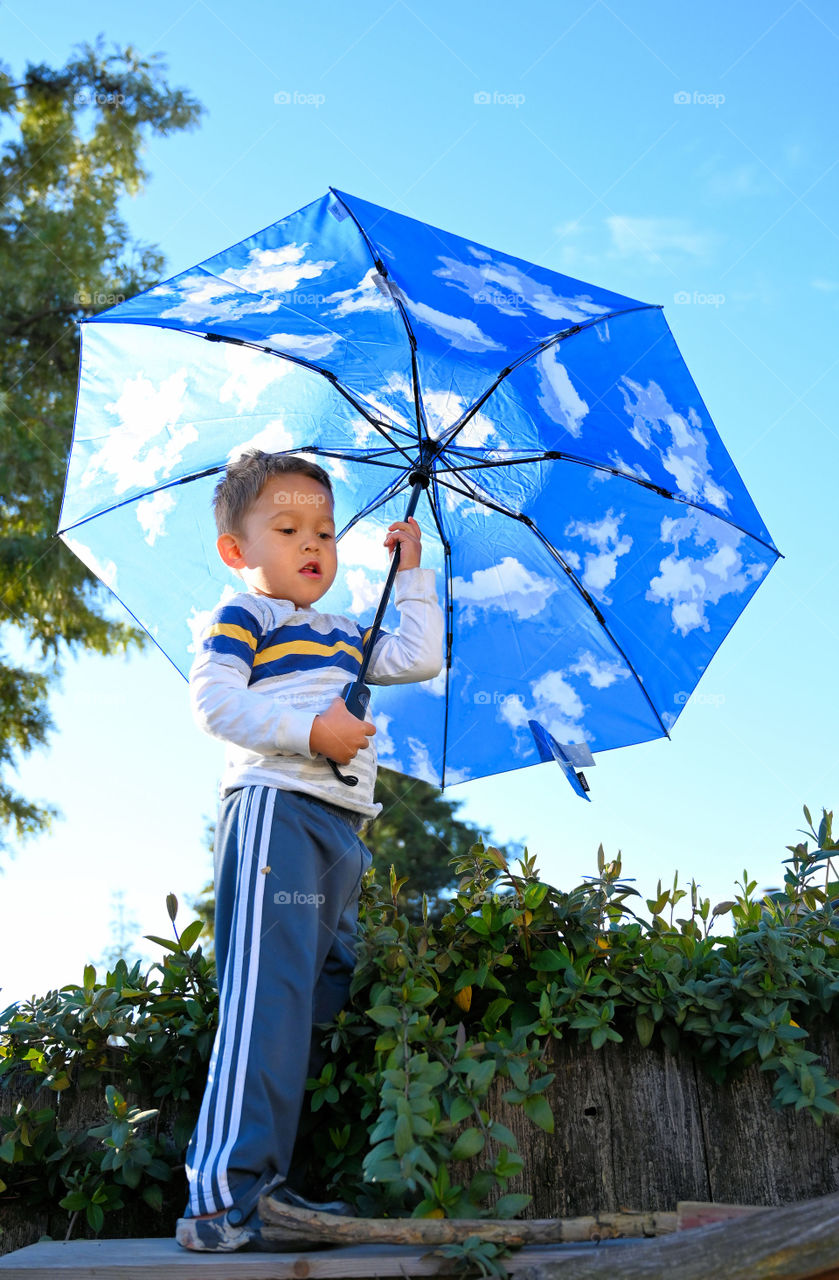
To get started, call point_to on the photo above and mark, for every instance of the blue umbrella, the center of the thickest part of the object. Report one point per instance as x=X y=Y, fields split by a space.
x=592 y=538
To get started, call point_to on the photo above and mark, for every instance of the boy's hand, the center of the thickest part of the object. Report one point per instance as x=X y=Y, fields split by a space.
x=338 y=734
x=408 y=533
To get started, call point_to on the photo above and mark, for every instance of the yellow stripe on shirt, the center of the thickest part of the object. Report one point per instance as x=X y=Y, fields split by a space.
x=278 y=651
x=232 y=632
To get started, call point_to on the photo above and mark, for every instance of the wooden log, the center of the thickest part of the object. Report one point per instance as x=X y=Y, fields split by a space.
x=690 y=1214
x=796 y=1242
x=290 y=1225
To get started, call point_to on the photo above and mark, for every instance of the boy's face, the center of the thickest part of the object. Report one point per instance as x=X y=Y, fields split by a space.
x=286 y=549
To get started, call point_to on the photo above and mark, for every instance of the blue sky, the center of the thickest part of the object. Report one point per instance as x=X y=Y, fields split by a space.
x=683 y=155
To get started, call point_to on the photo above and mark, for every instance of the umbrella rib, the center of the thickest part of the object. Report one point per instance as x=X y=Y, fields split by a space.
x=325 y=373
x=419 y=410
x=212 y=471
x=554 y=455
x=528 y=355
x=552 y=551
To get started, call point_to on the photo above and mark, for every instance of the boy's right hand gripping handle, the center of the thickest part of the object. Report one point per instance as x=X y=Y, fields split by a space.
x=356 y=696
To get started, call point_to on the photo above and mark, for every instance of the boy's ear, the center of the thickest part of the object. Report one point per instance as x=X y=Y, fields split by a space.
x=231 y=553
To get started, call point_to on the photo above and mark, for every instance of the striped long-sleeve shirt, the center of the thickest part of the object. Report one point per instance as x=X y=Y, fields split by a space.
x=265 y=669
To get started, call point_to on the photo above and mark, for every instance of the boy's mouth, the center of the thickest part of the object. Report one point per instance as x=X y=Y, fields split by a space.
x=311 y=570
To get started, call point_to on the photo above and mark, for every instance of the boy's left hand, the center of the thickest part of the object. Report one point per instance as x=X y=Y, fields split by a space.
x=408 y=534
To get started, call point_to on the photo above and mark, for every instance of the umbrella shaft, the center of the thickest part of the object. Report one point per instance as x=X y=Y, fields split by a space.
x=417 y=488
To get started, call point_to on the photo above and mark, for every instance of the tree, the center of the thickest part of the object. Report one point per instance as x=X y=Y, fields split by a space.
x=124 y=930
x=65 y=253
x=416 y=832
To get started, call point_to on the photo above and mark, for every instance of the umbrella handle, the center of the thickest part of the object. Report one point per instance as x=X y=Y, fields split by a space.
x=356 y=695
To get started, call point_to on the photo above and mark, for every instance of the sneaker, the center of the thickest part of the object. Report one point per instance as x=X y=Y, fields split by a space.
x=284 y=1195
x=240 y=1228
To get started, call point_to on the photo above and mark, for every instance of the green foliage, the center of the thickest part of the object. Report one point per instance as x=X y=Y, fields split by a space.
x=154 y=1034
x=71 y=150
x=442 y=1019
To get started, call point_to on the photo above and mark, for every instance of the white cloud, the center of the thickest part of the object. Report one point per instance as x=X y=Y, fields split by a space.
x=365 y=296
x=251 y=373
x=366 y=591
x=601 y=674
x=363 y=544
x=557 y=394
x=461 y=333
x=274 y=437
x=309 y=346
x=152 y=513
x=276 y=270
x=145 y=412
x=601 y=566
x=507 y=586
x=105 y=570
x=652 y=237
x=690 y=583
x=421 y=765
x=505 y=287
x=556 y=705
x=680 y=442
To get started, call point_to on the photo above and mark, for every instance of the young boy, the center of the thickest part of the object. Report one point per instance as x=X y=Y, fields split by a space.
x=267 y=679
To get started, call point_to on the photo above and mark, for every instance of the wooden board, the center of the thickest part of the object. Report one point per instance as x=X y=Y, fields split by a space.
x=157 y=1259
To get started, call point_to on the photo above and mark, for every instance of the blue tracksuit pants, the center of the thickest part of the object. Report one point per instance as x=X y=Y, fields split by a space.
x=288 y=871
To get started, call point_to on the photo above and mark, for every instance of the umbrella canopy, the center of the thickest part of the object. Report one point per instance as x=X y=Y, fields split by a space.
x=592 y=538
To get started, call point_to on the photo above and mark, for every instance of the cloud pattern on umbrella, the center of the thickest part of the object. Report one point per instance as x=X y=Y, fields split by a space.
x=592 y=538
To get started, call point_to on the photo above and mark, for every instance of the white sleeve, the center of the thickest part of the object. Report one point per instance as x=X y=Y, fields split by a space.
x=415 y=651
x=224 y=707
x=222 y=703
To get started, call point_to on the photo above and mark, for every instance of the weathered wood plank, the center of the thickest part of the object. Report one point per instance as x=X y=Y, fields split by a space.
x=154 y=1259
x=628 y=1133
x=796 y=1242
x=758 y=1154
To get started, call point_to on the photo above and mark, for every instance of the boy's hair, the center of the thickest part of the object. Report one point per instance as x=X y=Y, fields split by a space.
x=246 y=477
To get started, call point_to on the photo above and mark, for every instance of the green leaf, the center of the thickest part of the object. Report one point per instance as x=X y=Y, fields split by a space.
x=89 y=976
x=644 y=1027
x=547 y=960
x=153 y=1197
x=161 y=942
x=460 y=1109
x=95 y=1215
x=468 y=1144
x=191 y=933
x=534 y=895
x=508 y=1206
x=536 y=1109
x=385 y=1015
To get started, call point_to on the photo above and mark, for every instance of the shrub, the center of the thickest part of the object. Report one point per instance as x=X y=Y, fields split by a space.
x=440 y=1018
